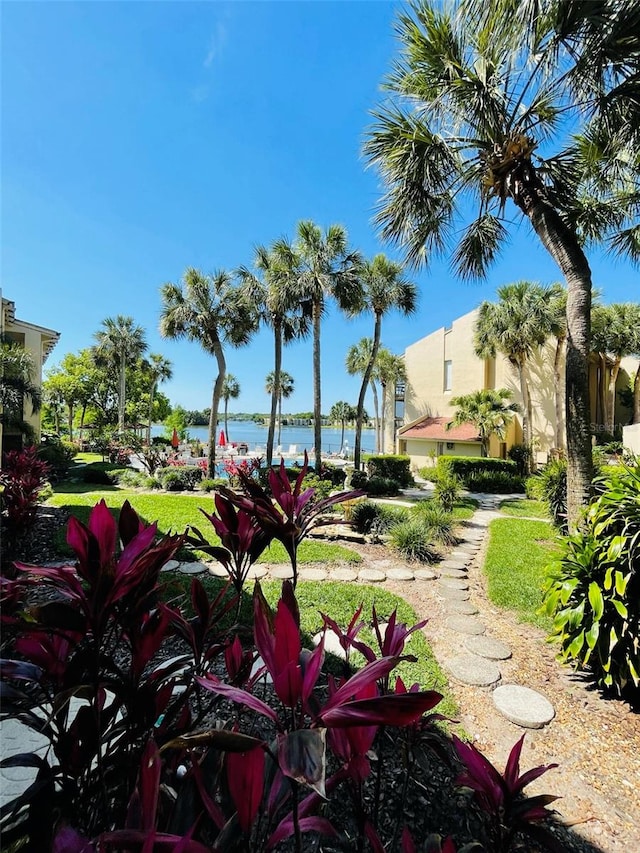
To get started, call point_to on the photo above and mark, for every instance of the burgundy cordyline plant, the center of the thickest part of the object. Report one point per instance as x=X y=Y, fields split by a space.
x=289 y=513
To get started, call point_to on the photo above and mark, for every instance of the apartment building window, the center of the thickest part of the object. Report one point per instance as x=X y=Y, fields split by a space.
x=447 y=375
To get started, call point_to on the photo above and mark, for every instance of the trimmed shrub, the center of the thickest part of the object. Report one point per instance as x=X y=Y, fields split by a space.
x=497 y=482
x=380 y=486
x=466 y=466
x=396 y=468
x=101 y=473
x=176 y=479
x=429 y=473
x=594 y=588
x=135 y=479
x=412 y=539
x=367 y=515
x=58 y=454
x=208 y=484
x=359 y=480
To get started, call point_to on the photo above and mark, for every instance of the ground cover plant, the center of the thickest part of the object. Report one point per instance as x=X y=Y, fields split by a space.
x=23 y=477
x=195 y=752
x=515 y=566
x=593 y=590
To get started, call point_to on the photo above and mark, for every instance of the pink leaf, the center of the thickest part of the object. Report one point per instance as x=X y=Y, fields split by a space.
x=245 y=775
x=284 y=830
x=235 y=694
x=392 y=710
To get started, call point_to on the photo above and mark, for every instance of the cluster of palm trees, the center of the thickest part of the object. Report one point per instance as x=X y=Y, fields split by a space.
x=287 y=289
x=528 y=104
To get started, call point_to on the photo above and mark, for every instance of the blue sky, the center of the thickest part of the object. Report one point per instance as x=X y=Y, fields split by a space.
x=139 y=138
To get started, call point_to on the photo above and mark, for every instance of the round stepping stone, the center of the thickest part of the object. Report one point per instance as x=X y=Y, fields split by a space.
x=283 y=573
x=331 y=644
x=487 y=647
x=470 y=669
x=170 y=566
x=192 y=568
x=452 y=573
x=523 y=706
x=464 y=607
x=218 y=570
x=454 y=594
x=256 y=572
x=465 y=624
x=461 y=556
x=313 y=574
x=424 y=575
x=343 y=575
x=461 y=565
x=453 y=583
x=371 y=575
x=400 y=574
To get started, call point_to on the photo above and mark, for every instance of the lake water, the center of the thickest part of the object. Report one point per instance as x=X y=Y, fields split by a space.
x=255 y=435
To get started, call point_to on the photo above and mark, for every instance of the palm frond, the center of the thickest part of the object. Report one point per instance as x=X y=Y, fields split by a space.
x=479 y=246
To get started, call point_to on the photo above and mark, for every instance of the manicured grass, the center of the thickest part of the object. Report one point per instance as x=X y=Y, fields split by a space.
x=523 y=508
x=340 y=601
x=517 y=555
x=174 y=512
x=464 y=508
x=87 y=458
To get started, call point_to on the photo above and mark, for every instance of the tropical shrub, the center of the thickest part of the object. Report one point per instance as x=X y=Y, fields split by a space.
x=523 y=457
x=429 y=473
x=101 y=473
x=58 y=454
x=438 y=520
x=446 y=488
x=593 y=590
x=466 y=466
x=550 y=486
x=359 y=480
x=413 y=540
x=135 y=479
x=208 y=484
x=390 y=467
x=23 y=476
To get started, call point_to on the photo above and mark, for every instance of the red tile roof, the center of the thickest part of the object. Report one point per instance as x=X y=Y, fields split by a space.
x=434 y=429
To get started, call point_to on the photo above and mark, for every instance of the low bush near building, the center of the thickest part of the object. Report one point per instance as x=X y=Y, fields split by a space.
x=464 y=466
x=179 y=478
x=496 y=482
x=396 y=468
x=593 y=591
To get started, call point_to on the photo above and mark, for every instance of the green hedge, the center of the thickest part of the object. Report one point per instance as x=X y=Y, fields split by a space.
x=396 y=468
x=465 y=466
x=177 y=478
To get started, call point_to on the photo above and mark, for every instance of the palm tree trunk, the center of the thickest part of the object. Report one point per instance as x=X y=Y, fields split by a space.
x=557 y=390
x=382 y=416
x=277 y=369
x=526 y=405
x=342 y=435
x=376 y=414
x=563 y=246
x=122 y=394
x=226 y=426
x=317 y=403
x=601 y=412
x=279 y=419
x=215 y=403
x=363 y=391
x=152 y=391
x=611 y=414
x=636 y=398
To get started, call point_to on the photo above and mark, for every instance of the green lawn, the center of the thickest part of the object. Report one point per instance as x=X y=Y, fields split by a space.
x=340 y=601
x=523 y=508
x=518 y=552
x=174 y=512
x=87 y=458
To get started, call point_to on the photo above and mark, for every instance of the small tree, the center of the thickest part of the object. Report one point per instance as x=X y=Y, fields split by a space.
x=487 y=410
x=230 y=391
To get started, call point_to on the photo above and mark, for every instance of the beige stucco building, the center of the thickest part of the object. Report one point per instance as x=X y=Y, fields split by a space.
x=443 y=365
x=39 y=341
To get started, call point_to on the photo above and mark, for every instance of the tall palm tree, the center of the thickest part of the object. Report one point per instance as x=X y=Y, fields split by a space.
x=158 y=369
x=357 y=362
x=17 y=382
x=210 y=310
x=283 y=388
x=230 y=391
x=341 y=413
x=328 y=269
x=616 y=334
x=476 y=99
x=385 y=290
x=275 y=297
x=514 y=326
x=388 y=370
x=120 y=343
x=488 y=410
x=555 y=302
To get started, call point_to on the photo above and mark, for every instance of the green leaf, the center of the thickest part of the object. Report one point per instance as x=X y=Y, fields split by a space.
x=620 y=607
x=608 y=578
x=576 y=645
x=616 y=548
x=613 y=638
x=621 y=582
x=596 y=601
x=592 y=635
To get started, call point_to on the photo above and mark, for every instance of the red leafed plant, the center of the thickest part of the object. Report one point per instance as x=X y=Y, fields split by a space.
x=22 y=478
x=500 y=796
